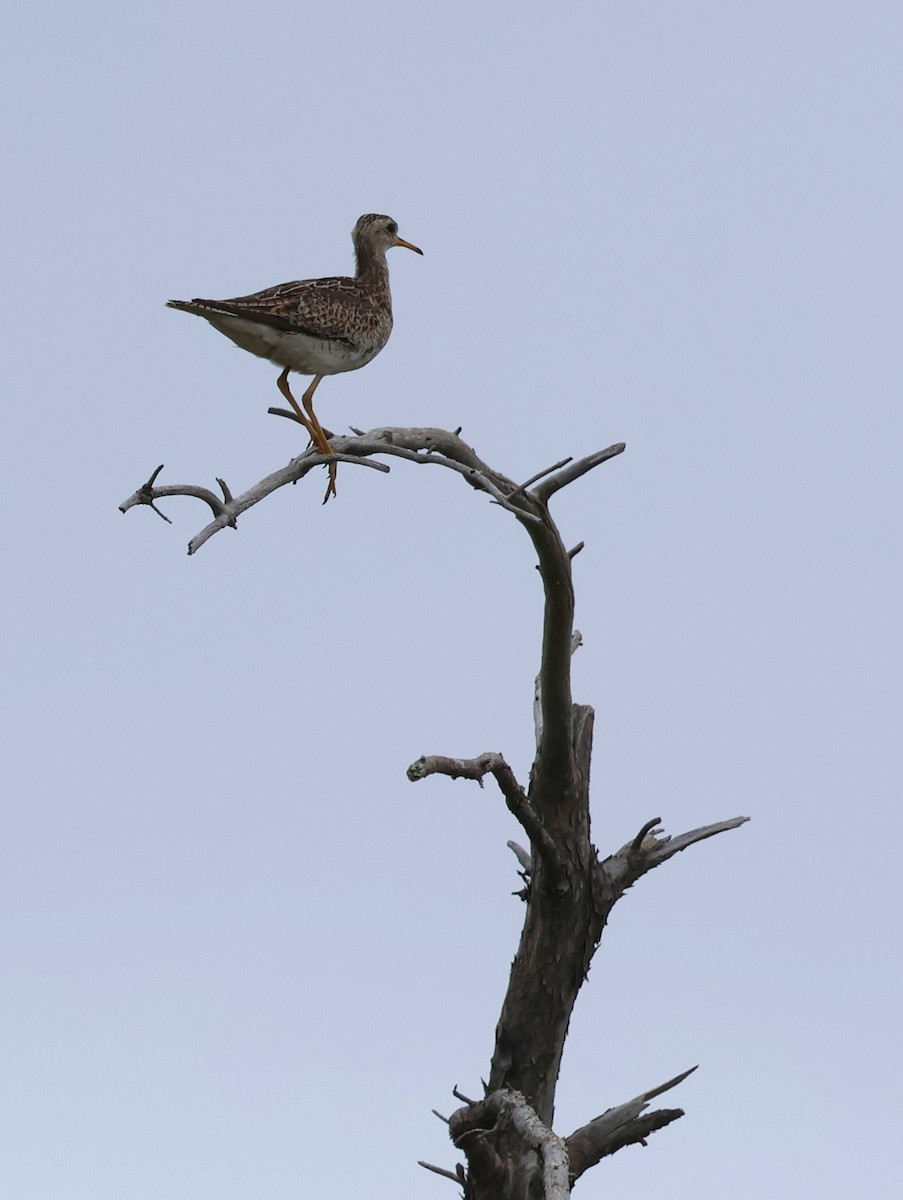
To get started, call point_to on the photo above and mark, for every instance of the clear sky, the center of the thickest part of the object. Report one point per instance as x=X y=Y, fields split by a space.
x=242 y=955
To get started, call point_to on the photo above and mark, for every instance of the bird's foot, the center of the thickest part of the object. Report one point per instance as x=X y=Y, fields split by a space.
x=320 y=442
x=330 y=489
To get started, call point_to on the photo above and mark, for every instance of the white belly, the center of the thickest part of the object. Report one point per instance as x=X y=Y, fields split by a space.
x=297 y=351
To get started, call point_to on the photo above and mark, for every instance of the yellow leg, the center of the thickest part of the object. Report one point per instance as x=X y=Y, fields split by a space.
x=282 y=384
x=310 y=423
x=322 y=441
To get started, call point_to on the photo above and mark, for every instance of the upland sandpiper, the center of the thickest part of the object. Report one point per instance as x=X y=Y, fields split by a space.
x=316 y=326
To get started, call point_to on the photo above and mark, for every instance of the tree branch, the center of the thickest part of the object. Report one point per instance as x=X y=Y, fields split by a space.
x=439 y=1171
x=666 y=847
x=522 y=487
x=148 y=493
x=619 y=1127
x=455 y=768
x=650 y=848
x=515 y=797
x=522 y=856
x=227 y=510
x=574 y=470
x=444 y=449
x=426 y=445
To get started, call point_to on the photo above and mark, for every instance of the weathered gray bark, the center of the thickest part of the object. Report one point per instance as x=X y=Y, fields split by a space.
x=506 y=1136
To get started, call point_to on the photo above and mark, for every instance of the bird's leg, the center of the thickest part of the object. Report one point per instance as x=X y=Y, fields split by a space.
x=312 y=425
x=282 y=384
x=319 y=436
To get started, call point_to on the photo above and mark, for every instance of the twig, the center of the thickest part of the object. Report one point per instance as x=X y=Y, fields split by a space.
x=637 y=842
x=147 y=494
x=522 y=856
x=522 y=487
x=296 y=469
x=526 y=873
x=452 y=1175
x=460 y=1096
x=669 y=1084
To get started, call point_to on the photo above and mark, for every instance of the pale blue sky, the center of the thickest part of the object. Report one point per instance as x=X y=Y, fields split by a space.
x=243 y=956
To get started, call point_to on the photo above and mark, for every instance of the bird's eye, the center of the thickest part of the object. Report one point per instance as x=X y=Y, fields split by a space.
x=392 y=228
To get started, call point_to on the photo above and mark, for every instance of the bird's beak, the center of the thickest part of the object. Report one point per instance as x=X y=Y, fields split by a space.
x=407 y=245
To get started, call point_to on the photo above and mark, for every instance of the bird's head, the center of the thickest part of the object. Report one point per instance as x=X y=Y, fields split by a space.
x=377 y=233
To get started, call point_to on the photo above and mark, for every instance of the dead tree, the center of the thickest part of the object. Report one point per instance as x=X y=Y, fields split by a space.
x=506 y=1136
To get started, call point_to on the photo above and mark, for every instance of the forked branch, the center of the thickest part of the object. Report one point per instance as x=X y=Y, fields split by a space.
x=420 y=445
x=574 y=470
x=619 y=1127
x=649 y=849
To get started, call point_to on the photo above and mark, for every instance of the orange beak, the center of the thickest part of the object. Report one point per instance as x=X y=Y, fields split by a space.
x=407 y=245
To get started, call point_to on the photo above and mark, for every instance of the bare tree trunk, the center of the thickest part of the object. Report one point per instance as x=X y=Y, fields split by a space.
x=506 y=1136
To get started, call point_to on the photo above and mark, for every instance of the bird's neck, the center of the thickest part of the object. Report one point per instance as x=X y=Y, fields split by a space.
x=371 y=266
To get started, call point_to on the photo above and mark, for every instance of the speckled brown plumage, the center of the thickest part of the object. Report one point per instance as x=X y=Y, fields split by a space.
x=316 y=326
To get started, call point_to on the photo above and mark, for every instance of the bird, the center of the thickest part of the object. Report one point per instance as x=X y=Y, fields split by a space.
x=316 y=327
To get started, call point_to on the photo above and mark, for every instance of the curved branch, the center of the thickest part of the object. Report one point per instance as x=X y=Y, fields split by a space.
x=227 y=510
x=148 y=493
x=443 y=449
x=637 y=844
x=454 y=768
x=426 y=445
x=515 y=797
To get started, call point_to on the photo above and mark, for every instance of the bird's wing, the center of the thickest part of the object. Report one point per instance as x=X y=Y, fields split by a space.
x=316 y=307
